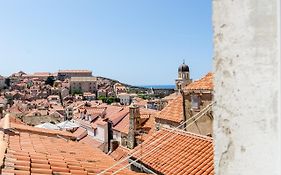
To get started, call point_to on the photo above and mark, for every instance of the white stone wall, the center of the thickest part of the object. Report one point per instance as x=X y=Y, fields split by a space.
x=124 y=98
x=247 y=87
x=100 y=133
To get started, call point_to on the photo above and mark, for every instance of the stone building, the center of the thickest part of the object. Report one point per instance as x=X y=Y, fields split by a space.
x=183 y=77
x=137 y=125
x=42 y=76
x=125 y=98
x=119 y=88
x=83 y=84
x=195 y=97
x=63 y=74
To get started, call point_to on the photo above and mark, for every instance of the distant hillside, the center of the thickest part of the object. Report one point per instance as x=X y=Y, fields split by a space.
x=107 y=83
x=111 y=82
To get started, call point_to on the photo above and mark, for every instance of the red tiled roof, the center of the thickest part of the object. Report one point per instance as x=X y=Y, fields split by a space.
x=42 y=73
x=95 y=110
x=27 y=128
x=149 y=127
x=205 y=83
x=185 y=153
x=112 y=109
x=120 y=153
x=27 y=152
x=75 y=71
x=123 y=125
x=10 y=122
x=173 y=111
x=80 y=133
x=117 y=117
x=91 y=141
x=147 y=121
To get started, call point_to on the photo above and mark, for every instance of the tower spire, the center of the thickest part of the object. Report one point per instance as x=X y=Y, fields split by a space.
x=183 y=61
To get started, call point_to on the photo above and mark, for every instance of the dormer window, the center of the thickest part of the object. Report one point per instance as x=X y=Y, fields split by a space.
x=195 y=102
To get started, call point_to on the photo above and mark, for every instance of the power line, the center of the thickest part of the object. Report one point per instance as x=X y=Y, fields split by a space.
x=146 y=154
x=200 y=114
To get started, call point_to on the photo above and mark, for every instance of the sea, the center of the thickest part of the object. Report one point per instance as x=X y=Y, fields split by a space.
x=159 y=86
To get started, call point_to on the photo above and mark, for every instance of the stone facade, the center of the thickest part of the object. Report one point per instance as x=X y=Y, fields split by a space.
x=247 y=87
x=134 y=125
x=63 y=74
x=83 y=84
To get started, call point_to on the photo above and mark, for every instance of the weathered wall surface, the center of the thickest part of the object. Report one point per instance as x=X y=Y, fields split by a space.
x=247 y=86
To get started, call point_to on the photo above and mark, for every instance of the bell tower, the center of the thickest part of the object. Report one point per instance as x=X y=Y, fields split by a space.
x=183 y=76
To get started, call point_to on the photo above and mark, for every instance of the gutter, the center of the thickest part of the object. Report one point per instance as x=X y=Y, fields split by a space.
x=142 y=167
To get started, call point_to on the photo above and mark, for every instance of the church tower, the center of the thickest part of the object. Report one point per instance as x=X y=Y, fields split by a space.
x=183 y=77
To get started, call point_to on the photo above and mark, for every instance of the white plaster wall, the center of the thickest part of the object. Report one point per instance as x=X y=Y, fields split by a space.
x=117 y=136
x=100 y=132
x=247 y=87
x=91 y=133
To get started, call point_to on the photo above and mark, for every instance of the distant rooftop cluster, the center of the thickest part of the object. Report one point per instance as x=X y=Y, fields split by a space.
x=106 y=126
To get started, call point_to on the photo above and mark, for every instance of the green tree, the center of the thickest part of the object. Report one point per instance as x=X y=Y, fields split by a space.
x=50 y=80
x=76 y=91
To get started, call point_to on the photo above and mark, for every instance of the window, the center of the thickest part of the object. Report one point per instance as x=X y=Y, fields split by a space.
x=195 y=102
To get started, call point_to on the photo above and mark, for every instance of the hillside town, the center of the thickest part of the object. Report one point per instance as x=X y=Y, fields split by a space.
x=72 y=122
x=217 y=114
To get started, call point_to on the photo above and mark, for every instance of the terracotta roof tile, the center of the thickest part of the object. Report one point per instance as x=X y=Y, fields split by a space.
x=74 y=71
x=29 y=152
x=22 y=127
x=205 y=83
x=80 y=133
x=147 y=121
x=186 y=153
x=91 y=141
x=123 y=125
x=119 y=153
x=173 y=111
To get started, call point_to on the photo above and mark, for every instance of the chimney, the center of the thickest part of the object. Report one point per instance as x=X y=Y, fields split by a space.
x=134 y=125
x=69 y=113
x=1 y=111
x=108 y=136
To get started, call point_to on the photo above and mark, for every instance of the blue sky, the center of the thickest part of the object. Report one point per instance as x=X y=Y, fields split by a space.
x=141 y=42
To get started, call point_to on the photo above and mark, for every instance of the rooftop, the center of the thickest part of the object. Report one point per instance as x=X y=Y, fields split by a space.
x=173 y=111
x=74 y=71
x=178 y=152
x=83 y=79
x=205 y=83
x=28 y=152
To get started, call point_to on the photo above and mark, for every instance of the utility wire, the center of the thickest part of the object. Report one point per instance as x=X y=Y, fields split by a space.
x=146 y=154
x=200 y=114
